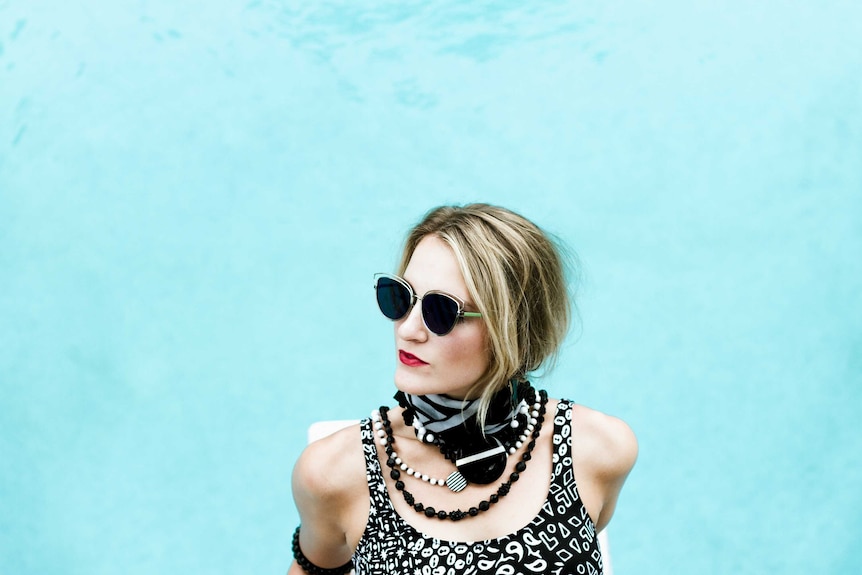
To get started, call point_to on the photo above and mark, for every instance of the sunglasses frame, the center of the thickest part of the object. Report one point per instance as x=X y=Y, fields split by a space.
x=414 y=297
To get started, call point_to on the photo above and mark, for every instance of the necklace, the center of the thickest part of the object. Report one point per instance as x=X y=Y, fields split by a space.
x=377 y=419
x=388 y=441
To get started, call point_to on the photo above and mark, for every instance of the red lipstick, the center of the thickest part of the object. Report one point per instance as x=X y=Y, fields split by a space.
x=409 y=359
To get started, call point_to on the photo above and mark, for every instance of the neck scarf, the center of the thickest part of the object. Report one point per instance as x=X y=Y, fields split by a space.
x=453 y=424
x=443 y=415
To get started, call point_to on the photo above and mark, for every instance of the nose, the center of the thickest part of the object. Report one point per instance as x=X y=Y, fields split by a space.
x=412 y=327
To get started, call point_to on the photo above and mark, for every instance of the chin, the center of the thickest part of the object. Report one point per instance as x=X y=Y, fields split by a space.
x=416 y=384
x=409 y=383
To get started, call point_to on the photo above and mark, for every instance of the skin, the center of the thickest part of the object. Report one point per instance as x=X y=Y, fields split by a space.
x=329 y=483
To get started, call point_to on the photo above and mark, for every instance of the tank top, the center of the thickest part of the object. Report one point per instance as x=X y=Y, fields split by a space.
x=560 y=540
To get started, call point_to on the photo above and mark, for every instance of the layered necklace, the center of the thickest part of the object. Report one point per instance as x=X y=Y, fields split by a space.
x=479 y=453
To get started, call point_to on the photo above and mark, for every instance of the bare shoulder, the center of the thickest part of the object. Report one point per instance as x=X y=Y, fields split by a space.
x=606 y=443
x=331 y=493
x=331 y=468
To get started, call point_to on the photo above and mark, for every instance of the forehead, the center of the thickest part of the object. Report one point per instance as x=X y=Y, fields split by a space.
x=433 y=266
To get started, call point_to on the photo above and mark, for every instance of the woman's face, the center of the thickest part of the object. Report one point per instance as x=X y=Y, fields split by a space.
x=428 y=363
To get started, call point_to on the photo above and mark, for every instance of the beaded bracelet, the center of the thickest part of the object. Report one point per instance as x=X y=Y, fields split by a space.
x=310 y=567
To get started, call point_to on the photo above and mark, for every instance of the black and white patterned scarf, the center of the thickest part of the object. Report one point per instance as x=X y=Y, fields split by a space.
x=446 y=416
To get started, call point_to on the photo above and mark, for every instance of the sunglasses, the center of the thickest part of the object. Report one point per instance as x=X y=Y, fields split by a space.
x=440 y=311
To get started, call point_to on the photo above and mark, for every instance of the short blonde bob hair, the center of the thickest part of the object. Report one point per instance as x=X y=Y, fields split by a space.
x=516 y=277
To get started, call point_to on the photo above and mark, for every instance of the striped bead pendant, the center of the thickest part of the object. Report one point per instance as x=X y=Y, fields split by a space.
x=456 y=482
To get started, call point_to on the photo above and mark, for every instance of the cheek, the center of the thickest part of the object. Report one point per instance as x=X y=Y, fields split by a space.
x=471 y=351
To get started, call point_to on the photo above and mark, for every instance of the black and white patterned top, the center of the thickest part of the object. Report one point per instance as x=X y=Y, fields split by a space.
x=560 y=540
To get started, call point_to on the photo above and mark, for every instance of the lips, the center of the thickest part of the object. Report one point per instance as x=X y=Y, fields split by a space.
x=409 y=359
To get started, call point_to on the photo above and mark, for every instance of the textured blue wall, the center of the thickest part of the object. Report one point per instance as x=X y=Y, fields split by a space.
x=194 y=196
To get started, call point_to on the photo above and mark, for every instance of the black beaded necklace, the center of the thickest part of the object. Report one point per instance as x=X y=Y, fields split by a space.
x=483 y=505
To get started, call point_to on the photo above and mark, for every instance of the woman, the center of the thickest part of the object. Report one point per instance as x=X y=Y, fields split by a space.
x=475 y=471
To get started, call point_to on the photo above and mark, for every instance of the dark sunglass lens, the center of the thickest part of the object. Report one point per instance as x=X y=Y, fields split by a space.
x=393 y=298
x=440 y=313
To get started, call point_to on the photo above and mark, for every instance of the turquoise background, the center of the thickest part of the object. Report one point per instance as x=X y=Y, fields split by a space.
x=195 y=195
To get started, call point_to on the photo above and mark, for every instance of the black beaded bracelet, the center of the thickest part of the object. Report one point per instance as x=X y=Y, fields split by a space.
x=310 y=567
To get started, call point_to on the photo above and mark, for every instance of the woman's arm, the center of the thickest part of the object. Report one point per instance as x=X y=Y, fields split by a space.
x=331 y=494
x=604 y=450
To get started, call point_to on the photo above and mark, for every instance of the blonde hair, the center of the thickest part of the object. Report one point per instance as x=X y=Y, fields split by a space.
x=516 y=277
